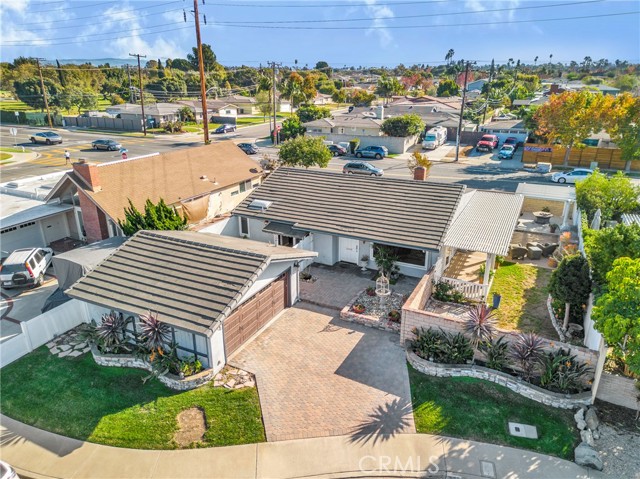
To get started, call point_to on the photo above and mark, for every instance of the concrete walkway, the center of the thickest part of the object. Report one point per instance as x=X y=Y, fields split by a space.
x=38 y=454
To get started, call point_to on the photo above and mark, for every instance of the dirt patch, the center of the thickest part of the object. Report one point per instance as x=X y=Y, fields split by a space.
x=464 y=151
x=192 y=424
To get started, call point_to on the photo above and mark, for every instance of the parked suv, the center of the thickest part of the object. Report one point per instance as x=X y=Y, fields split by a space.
x=361 y=168
x=376 y=152
x=487 y=143
x=25 y=266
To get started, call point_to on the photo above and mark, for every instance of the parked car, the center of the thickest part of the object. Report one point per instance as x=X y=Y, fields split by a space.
x=25 y=267
x=337 y=150
x=361 y=168
x=225 y=129
x=571 y=176
x=513 y=141
x=47 y=137
x=248 y=148
x=376 y=152
x=488 y=143
x=109 y=145
x=507 y=152
x=7 y=472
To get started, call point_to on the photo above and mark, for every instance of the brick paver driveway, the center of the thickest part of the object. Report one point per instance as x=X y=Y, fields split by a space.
x=320 y=376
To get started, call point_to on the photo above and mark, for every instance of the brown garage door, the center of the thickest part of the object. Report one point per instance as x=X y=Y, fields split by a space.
x=255 y=313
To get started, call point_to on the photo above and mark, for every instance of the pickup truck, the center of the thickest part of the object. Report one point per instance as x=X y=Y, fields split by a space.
x=487 y=143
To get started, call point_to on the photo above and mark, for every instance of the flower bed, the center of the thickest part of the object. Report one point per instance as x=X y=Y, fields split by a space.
x=375 y=314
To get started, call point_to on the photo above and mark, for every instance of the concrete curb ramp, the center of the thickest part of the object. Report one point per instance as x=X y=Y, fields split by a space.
x=39 y=454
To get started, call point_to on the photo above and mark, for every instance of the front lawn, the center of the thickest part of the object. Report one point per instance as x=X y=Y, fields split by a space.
x=524 y=299
x=111 y=406
x=474 y=409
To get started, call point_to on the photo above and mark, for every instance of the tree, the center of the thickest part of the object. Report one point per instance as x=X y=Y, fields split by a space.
x=339 y=97
x=570 y=283
x=305 y=151
x=616 y=314
x=447 y=87
x=291 y=128
x=309 y=91
x=208 y=58
x=308 y=113
x=388 y=86
x=604 y=246
x=30 y=92
x=403 y=125
x=622 y=122
x=418 y=159
x=570 y=118
x=155 y=217
x=183 y=65
x=626 y=82
x=361 y=97
x=292 y=88
x=168 y=88
x=264 y=104
x=449 y=56
x=612 y=196
x=322 y=66
x=186 y=114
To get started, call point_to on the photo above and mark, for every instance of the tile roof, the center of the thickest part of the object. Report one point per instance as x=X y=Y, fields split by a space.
x=400 y=212
x=485 y=222
x=173 y=176
x=346 y=121
x=190 y=279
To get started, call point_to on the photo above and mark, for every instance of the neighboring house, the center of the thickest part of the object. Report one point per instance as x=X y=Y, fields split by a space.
x=247 y=105
x=476 y=84
x=214 y=108
x=157 y=114
x=630 y=218
x=504 y=129
x=344 y=218
x=537 y=100
x=345 y=125
x=322 y=99
x=428 y=104
x=201 y=182
x=214 y=292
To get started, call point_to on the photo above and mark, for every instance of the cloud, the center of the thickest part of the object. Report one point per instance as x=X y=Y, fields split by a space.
x=483 y=5
x=379 y=14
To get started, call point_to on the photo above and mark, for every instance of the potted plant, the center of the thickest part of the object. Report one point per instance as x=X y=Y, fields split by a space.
x=358 y=308
x=394 y=316
x=364 y=260
x=371 y=291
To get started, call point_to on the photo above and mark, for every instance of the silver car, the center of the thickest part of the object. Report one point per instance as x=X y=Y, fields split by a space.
x=361 y=168
x=47 y=137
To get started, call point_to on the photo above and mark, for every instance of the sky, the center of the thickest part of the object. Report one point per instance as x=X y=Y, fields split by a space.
x=340 y=32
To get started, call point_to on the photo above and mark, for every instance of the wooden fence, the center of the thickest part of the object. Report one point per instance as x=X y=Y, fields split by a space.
x=607 y=158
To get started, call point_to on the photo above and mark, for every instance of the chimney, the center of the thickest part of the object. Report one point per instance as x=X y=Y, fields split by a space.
x=89 y=173
x=420 y=173
x=554 y=89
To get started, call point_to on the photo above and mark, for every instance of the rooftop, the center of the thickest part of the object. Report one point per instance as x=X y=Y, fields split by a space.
x=409 y=213
x=190 y=279
x=346 y=121
x=516 y=124
x=547 y=192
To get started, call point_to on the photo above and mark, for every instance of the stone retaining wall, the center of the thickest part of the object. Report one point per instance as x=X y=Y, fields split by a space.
x=562 y=401
x=169 y=380
x=618 y=390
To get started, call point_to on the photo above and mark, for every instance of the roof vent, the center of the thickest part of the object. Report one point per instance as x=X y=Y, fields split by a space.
x=259 y=205
x=11 y=185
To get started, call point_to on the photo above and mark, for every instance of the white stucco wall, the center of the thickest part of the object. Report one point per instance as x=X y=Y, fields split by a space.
x=255 y=231
x=327 y=248
x=216 y=349
x=225 y=227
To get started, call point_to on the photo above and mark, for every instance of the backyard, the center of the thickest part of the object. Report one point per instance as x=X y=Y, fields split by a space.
x=524 y=298
x=112 y=406
x=473 y=409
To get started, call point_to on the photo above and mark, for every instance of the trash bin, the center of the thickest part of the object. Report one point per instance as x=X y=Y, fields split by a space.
x=496 y=300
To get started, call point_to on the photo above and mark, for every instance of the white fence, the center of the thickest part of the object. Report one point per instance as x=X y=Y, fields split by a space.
x=473 y=291
x=42 y=329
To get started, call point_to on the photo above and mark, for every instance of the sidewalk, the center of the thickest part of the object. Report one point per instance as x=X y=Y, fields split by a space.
x=39 y=455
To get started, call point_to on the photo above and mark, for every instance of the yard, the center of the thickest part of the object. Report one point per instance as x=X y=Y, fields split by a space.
x=524 y=298
x=473 y=409
x=112 y=406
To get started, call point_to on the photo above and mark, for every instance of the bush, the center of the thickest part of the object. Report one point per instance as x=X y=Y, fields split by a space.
x=562 y=372
x=403 y=125
x=496 y=353
x=354 y=144
x=447 y=293
x=527 y=351
x=190 y=366
x=442 y=347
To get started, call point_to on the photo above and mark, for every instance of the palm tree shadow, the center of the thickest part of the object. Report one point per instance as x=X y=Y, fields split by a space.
x=384 y=422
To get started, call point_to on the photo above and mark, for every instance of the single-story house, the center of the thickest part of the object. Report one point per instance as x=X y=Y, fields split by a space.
x=344 y=217
x=428 y=104
x=214 y=108
x=345 y=125
x=322 y=99
x=247 y=105
x=201 y=183
x=156 y=114
x=504 y=129
x=214 y=292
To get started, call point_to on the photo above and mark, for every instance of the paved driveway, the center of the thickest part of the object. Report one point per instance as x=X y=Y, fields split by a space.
x=320 y=376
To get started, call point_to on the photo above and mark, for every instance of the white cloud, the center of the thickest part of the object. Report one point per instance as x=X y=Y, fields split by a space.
x=483 y=5
x=379 y=14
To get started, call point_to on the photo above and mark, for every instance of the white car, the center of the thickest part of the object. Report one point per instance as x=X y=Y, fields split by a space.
x=571 y=176
x=25 y=267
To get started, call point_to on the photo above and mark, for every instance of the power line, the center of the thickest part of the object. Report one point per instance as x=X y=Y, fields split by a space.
x=323 y=5
x=80 y=6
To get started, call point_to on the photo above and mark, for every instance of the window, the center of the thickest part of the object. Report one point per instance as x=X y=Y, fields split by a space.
x=244 y=186
x=409 y=256
x=244 y=226
x=286 y=241
x=38 y=256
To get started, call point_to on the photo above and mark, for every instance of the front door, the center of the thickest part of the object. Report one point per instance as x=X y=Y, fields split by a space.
x=349 y=250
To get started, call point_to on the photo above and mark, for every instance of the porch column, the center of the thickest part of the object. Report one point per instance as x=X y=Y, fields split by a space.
x=565 y=214
x=488 y=267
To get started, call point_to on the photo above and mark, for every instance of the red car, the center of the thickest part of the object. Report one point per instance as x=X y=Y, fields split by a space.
x=513 y=141
x=487 y=143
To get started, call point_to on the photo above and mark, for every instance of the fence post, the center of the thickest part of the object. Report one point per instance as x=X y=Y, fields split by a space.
x=27 y=338
x=597 y=375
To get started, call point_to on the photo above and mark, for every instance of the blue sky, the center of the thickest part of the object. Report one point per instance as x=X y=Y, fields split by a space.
x=99 y=29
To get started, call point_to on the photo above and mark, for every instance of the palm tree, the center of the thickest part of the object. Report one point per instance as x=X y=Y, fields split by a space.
x=550 y=57
x=535 y=61
x=449 y=56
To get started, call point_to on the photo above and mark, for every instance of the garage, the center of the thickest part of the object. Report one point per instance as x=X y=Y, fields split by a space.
x=25 y=235
x=252 y=315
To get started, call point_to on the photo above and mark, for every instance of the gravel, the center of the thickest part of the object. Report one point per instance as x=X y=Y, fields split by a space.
x=620 y=452
x=373 y=308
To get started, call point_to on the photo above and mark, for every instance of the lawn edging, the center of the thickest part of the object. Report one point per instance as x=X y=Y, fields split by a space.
x=562 y=401
x=170 y=380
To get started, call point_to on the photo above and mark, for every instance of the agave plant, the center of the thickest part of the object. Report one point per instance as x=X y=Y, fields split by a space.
x=480 y=324
x=527 y=351
x=154 y=334
x=110 y=334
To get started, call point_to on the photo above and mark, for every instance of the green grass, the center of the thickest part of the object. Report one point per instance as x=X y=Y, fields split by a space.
x=111 y=406
x=9 y=149
x=17 y=105
x=474 y=409
x=393 y=155
x=5 y=156
x=524 y=298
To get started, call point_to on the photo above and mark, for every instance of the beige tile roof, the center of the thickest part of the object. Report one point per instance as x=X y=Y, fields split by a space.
x=172 y=176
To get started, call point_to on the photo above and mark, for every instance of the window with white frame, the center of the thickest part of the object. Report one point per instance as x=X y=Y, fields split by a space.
x=244 y=226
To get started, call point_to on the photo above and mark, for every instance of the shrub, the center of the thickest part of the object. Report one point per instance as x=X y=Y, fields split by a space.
x=562 y=372
x=527 y=351
x=190 y=366
x=497 y=353
x=394 y=316
x=456 y=349
x=427 y=343
x=403 y=125
x=480 y=324
x=385 y=259
x=110 y=333
x=371 y=291
x=154 y=334
x=447 y=293
x=442 y=347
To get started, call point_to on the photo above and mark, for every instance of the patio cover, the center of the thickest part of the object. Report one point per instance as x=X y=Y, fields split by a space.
x=485 y=223
x=547 y=192
x=283 y=229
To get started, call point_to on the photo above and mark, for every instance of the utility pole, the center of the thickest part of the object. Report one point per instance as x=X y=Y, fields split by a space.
x=44 y=92
x=144 y=118
x=464 y=96
x=275 y=118
x=203 y=83
x=132 y=95
x=486 y=103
